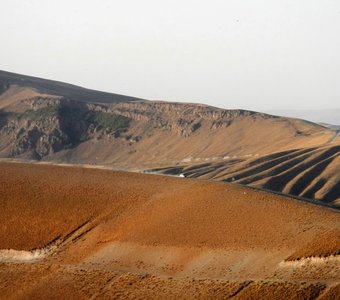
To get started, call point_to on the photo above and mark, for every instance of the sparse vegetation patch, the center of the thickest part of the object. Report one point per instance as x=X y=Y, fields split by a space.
x=39 y=114
x=109 y=121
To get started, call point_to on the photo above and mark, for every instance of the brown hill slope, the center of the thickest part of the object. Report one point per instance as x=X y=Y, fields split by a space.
x=10 y=80
x=128 y=235
x=312 y=173
x=147 y=133
x=143 y=135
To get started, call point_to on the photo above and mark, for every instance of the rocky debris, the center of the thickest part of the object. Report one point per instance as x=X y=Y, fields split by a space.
x=43 y=125
x=49 y=125
x=40 y=137
x=181 y=118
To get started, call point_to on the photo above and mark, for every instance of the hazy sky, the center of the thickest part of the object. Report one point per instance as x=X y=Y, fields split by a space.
x=252 y=54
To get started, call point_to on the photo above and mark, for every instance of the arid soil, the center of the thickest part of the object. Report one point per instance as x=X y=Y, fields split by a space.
x=312 y=173
x=57 y=122
x=103 y=234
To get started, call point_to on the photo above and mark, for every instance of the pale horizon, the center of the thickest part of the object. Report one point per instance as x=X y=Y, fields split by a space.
x=230 y=54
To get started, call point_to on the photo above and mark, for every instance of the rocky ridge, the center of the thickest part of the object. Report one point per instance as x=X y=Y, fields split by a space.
x=52 y=121
x=41 y=125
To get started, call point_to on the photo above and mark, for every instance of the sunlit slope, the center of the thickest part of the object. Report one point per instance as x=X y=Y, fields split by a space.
x=49 y=201
x=57 y=122
x=163 y=133
x=48 y=120
x=312 y=173
x=127 y=236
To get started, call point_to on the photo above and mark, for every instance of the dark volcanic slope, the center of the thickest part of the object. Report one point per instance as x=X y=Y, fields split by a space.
x=57 y=88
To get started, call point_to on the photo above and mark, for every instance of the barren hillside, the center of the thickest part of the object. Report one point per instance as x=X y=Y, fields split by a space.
x=98 y=233
x=312 y=173
x=8 y=81
x=43 y=120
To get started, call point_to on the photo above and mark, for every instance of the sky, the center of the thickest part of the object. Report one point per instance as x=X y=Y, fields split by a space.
x=259 y=55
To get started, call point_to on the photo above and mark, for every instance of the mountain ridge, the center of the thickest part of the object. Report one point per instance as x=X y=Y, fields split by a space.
x=59 y=88
x=148 y=135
